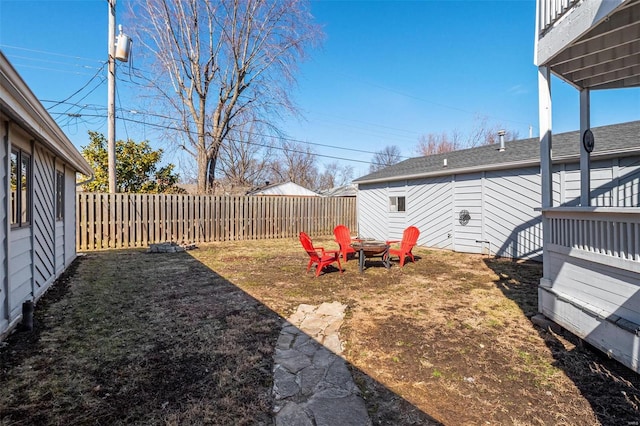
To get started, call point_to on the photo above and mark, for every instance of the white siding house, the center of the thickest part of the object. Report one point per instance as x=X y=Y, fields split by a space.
x=286 y=188
x=37 y=195
x=591 y=272
x=486 y=200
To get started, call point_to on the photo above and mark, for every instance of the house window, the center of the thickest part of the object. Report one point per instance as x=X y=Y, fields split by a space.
x=397 y=204
x=59 y=195
x=20 y=188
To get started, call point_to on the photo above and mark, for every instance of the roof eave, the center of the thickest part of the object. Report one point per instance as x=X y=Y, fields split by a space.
x=502 y=166
x=451 y=171
x=33 y=117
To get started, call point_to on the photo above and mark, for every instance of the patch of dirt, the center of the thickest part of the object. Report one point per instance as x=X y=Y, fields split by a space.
x=188 y=338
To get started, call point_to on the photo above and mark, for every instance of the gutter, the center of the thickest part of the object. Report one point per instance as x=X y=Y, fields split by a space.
x=84 y=182
x=21 y=105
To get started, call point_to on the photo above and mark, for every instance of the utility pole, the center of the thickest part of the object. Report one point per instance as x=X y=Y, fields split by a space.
x=111 y=103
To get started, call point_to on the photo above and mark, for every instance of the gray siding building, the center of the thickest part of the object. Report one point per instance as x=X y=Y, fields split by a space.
x=37 y=197
x=487 y=200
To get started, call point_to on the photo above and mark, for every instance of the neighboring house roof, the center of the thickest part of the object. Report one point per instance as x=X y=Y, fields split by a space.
x=19 y=103
x=287 y=188
x=341 y=191
x=611 y=141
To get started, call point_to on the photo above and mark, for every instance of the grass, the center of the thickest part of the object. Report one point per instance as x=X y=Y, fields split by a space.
x=188 y=338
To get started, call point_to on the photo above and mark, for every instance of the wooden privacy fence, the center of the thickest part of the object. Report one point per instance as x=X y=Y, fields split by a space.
x=108 y=221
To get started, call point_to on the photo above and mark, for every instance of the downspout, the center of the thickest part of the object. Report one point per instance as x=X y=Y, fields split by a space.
x=84 y=182
x=31 y=207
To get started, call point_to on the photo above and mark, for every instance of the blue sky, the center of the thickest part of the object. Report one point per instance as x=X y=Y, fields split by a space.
x=388 y=72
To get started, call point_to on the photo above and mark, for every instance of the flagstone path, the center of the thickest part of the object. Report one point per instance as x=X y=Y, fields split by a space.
x=312 y=384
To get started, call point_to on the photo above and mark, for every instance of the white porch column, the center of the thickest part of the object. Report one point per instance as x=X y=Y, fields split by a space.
x=544 y=114
x=585 y=156
x=544 y=117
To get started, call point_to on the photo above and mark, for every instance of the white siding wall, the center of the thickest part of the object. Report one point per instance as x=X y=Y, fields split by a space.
x=614 y=183
x=467 y=195
x=20 y=270
x=512 y=225
x=429 y=209
x=397 y=221
x=626 y=173
x=43 y=220
x=571 y=179
x=32 y=256
x=373 y=211
x=59 y=248
x=629 y=182
x=612 y=290
x=20 y=253
x=602 y=183
x=558 y=182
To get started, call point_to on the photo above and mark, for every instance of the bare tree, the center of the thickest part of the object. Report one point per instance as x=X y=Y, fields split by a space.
x=485 y=134
x=223 y=59
x=245 y=157
x=387 y=156
x=297 y=164
x=334 y=175
x=432 y=143
x=481 y=134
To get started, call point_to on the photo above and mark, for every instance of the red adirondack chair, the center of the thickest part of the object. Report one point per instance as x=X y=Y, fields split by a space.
x=409 y=240
x=343 y=238
x=319 y=255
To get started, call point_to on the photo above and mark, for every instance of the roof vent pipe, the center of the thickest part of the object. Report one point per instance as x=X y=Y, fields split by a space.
x=501 y=136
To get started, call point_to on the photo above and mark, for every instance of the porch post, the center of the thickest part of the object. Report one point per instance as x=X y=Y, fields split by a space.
x=544 y=114
x=585 y=156
x=544 y=117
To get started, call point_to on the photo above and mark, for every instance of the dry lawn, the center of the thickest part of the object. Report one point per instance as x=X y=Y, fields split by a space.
x=130 y=337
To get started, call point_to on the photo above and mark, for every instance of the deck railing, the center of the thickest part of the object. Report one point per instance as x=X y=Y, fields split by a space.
x=607 y=231
x=550 y=11
x=107 y=221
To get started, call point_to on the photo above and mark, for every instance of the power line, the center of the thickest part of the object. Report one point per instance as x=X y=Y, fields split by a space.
x=80 y=89
x=49 y=53
x=51 y=69
x=53 y=62
x=126 y=132
x=84 y=97
x=137 y=72
x=250 y=133
x=165 y=127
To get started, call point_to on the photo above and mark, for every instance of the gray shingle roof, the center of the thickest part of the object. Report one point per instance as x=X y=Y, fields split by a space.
x=613 y=140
